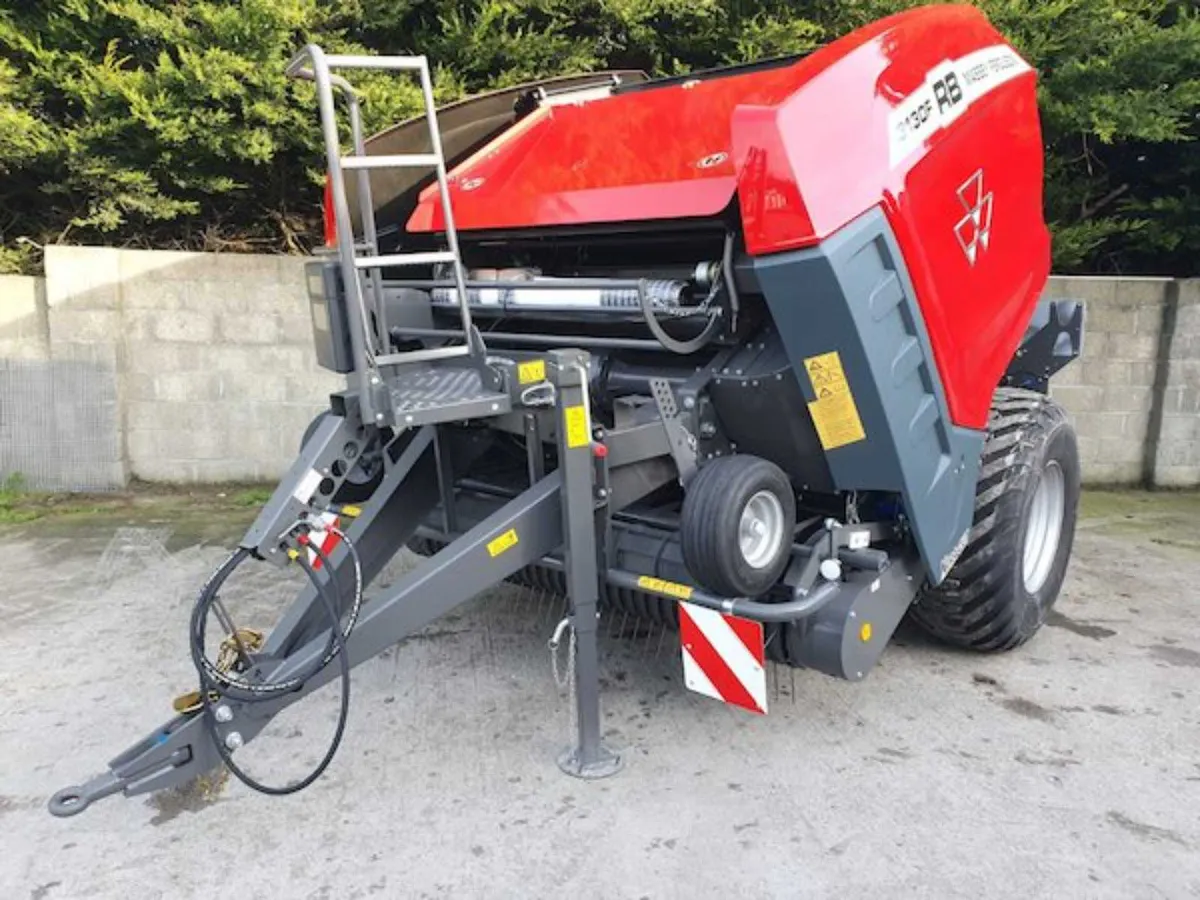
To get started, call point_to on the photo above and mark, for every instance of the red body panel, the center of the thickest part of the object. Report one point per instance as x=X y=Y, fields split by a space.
x=808 y=147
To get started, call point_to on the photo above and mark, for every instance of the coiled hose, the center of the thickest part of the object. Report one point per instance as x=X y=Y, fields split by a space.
x=223 y=684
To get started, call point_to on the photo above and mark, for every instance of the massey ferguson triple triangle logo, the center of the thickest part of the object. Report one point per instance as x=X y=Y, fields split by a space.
x=974 y=230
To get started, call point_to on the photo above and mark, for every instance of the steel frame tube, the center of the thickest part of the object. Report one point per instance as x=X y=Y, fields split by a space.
x=540 y=340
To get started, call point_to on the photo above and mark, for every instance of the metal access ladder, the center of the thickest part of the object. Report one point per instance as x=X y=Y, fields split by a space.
x=417 y=387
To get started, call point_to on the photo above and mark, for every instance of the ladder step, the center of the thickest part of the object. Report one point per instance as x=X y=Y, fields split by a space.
x=399 y=161
x=405 y=259
x=342 y=61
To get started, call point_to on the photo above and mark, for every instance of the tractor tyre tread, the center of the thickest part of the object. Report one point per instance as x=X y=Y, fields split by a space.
x=983 y=604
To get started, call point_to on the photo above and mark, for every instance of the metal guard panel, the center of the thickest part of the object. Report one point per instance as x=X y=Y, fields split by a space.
x=853 y=294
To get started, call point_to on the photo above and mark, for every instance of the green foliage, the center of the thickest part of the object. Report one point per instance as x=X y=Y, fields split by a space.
x=251 y=497
x=13 y=508
x=169 y=122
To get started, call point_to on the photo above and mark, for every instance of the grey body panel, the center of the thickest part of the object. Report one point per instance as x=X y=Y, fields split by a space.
x=833 y=641
x=852 y=294
x=1053 y=339
x=752 y=388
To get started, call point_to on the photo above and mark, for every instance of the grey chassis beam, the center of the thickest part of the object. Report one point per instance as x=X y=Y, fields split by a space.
x=387 y=521
x=182 y=749
x=560 y=507
x=639 y=455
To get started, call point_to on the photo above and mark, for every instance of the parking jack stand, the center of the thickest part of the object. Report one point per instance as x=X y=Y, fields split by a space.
x=589 y=758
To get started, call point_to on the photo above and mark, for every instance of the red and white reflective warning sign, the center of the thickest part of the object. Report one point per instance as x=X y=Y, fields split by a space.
x=723 y=657
x=320 y=536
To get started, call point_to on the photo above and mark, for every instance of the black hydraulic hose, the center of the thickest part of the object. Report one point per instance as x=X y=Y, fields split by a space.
x=784 y=611
x=683 y=348
x=210 y=683
x=686 y=348
x=735 y=302
x=228 y=686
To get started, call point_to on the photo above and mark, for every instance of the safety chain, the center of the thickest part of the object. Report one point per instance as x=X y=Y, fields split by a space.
x=243 y=640
x=233 y=648
x=565 y=681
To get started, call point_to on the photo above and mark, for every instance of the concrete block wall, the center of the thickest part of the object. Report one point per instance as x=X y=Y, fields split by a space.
x=219 y=375
x=190 y=367
x=159 y=366
x=1110 y=390
x=24 y=333
x=59 y=417
x=1177 y=444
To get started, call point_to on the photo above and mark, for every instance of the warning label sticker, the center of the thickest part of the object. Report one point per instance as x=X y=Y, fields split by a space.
x=506 y=541
x=834 y=412
x=307 y=486
x=670 y=588
x=579 y=430
x=529 y=372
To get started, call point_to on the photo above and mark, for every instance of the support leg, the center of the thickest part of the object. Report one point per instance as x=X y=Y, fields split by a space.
x=589 y=758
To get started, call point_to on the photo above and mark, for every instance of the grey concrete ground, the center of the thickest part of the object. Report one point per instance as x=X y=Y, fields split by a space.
x=1068 y=769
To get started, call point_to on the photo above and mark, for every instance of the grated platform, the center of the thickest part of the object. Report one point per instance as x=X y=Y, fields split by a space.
x=431 y=394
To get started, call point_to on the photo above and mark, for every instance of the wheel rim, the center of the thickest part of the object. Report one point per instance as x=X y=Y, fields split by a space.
x=760 y=531
x=1043 y=529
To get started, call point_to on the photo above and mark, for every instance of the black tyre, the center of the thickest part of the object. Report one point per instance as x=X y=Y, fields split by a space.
x=363 y=477
x=999 y=592
x=739 y=515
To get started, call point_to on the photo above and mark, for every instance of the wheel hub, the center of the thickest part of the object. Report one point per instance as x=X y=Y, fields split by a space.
x=760 y=530
x=1043 y=528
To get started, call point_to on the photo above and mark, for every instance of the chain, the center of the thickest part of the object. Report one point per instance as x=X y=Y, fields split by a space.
x=565 y=681
x=243 y=640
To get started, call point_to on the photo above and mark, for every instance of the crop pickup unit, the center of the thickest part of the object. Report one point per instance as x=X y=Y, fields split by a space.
x=756 y=352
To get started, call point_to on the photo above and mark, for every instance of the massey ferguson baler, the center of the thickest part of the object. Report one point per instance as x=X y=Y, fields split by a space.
x=756 y=352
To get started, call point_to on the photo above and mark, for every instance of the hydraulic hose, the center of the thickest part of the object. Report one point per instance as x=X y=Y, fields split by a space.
x=222 y=684
x=686 y=348
x=683 y=348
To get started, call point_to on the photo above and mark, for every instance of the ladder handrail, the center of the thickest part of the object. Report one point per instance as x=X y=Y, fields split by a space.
x=366 y=204
x=443 y=181
x=320 y=75
x=312 y=64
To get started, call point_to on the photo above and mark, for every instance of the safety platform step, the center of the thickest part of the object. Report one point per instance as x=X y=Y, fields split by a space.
x=427 y=395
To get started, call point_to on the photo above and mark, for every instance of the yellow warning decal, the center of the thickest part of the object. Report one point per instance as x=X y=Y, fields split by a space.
x=834 y=412
x=579 y=433
x=532 y=372
x=506 y=541
x=670 y=588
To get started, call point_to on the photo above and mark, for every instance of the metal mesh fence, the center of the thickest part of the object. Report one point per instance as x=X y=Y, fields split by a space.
x=59 y=422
